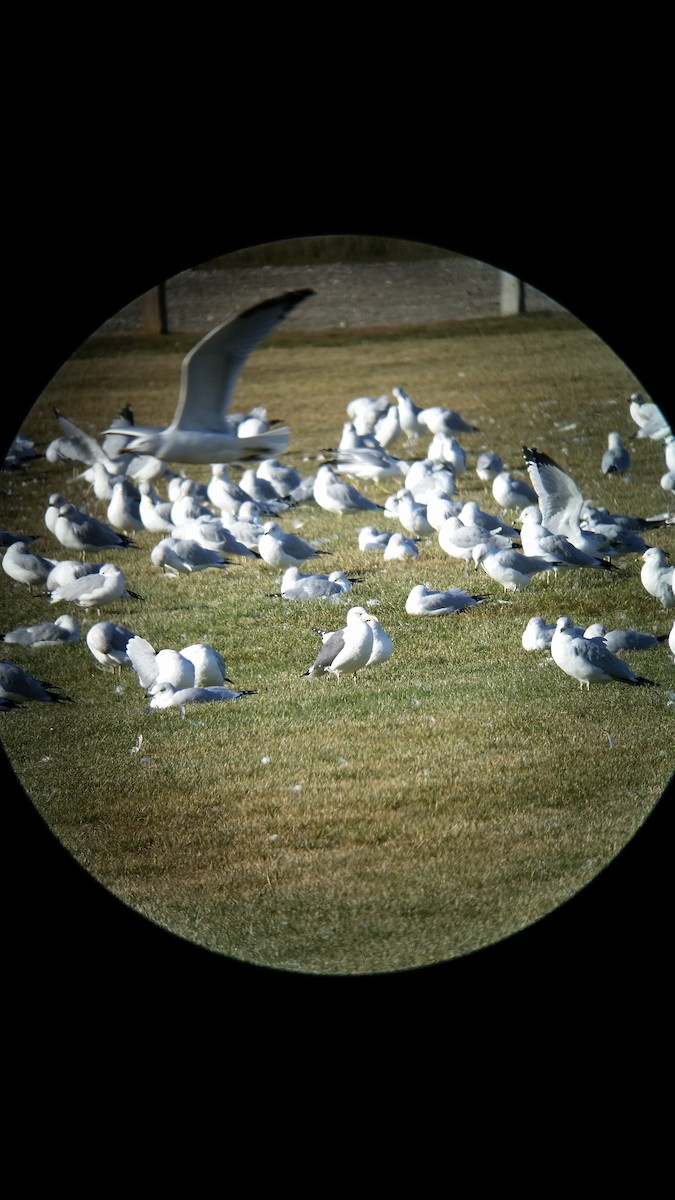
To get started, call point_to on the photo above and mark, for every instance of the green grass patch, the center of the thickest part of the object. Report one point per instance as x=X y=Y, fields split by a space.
x=428 y=808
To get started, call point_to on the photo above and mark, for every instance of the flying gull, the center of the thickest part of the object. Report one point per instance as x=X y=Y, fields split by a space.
x=199 y=431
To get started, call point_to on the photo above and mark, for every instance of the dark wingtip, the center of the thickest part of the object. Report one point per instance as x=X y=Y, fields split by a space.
x=288 y=299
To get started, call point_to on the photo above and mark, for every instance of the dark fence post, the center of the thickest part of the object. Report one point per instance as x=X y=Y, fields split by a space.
x=154 y=310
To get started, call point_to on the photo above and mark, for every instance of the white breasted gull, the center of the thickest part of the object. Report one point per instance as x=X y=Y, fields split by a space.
x=168 y=696
x=347 y=650
x=199 y=431
x=154 y=668
x=47 y=633
x=424 y=602
x=658 y=576
x=616 y=459
x=589 y=660
x=280 y=549
x=108 y=642
x=336 y=496
x=512 y=570
x=95 y=591
x=182 y=556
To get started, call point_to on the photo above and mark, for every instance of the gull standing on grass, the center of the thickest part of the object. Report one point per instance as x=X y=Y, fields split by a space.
x=183 y=557
x=371 y=539
x=347 y=650
x=658 y=577
x=78 y=531
x=589 y=660
x=199 y=431
x=93 y=591
x=511 y=493
x=561 y=504
x=538 y=541
x=108 y=642
x=335 y=496
x=616 y=459
x=513 y=570
x=401 y=548
x=282 y=550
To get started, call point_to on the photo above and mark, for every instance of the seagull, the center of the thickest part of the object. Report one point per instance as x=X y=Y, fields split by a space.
x=439 y=508
x=335 y=496
x=279 y=549
x=168 y=696
x=471 y=514
x=16 y=686
x=387 y=428
x=67 y=571
x=47 y=633
x=123 y=510
x=155 y=514
x=23 y=566
x=371 y=539
x=423 y=602
x=413 y=515
x=107 y=642
x=369 y=465
x=199 y=432
x=488 y=466
x=213 y=534
x=154 y=669
x=458 y=540
x=181 y=556
x=444 y=420
x=77 y=531
x=538 y=541
x=400 y=547
x=658 y=577
x=589 y=660
x=383 y=646
x=430 y=477
x=561 y=503
x=649 y=419
x=512 y=493
x=616 y=458
x=446 y=449
x=513 y=570
x=209 y=665
x=347 y=650
x=537 y=634
x=93 y=591
x=296 y=586
x=409 y=415
x=621 y=640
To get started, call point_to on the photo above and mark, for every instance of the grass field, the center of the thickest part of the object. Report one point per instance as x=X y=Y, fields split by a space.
x=427 y=809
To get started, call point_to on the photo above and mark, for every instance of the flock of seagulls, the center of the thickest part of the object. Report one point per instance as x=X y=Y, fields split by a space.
x=538 y=528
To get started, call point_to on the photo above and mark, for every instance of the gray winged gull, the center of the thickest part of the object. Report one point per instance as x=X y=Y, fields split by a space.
x=589 y=660
x=199 y=431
